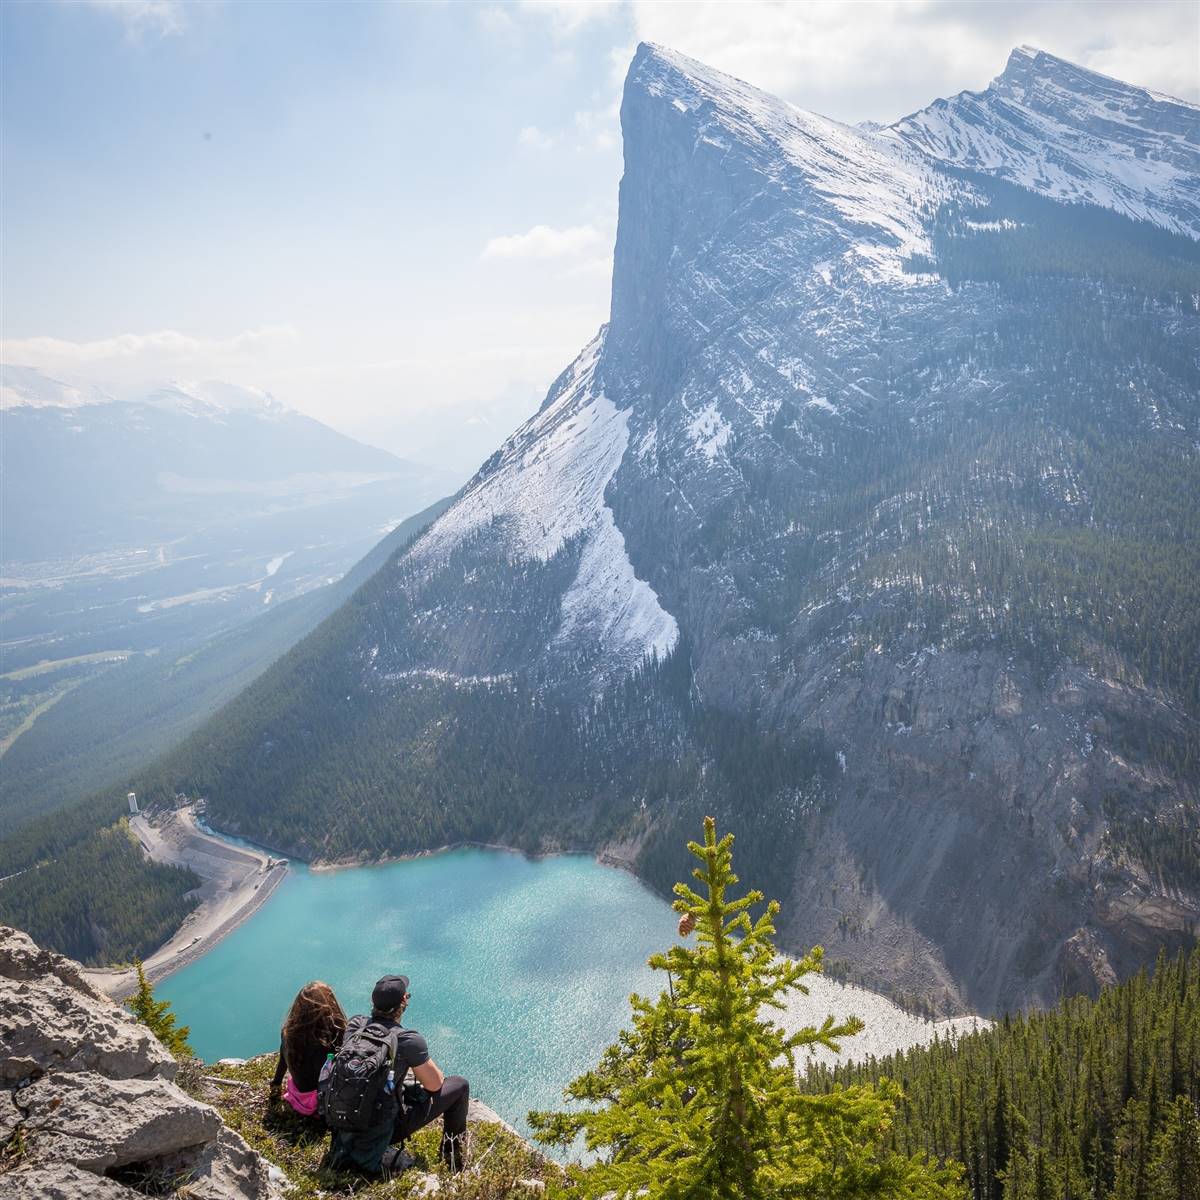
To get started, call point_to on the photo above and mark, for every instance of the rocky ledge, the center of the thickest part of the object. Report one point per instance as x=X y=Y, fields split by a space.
x=91 y=1107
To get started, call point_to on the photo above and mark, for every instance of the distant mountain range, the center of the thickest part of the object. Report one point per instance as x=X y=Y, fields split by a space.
x=87 y=474
x=869 y=523
x=137 y=533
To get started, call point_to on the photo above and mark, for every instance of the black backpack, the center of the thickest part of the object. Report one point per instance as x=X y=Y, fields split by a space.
x=354 y=1096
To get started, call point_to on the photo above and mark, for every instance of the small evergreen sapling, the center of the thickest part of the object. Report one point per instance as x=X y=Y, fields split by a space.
x=157 y=1015
x=699 y=1101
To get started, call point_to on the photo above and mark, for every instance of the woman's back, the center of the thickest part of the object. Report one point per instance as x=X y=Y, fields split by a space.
x=311 y=1031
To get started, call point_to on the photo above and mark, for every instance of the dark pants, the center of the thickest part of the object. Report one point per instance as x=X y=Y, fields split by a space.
x=450 y=1103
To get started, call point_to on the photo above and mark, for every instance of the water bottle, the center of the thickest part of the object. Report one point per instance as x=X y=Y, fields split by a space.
x=326 y=1069
x=391 y=1081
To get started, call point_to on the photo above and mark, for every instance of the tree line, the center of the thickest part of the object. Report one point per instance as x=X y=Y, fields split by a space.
x=1093 y=1100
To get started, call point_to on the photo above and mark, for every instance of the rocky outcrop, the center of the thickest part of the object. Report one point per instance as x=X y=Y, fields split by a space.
x=89 y=1094
x=99 y=1124
x=969 y=840
x=54 y=1021
x=62 y=1181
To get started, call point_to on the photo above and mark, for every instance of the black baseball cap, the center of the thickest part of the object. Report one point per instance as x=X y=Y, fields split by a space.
x=389 y=993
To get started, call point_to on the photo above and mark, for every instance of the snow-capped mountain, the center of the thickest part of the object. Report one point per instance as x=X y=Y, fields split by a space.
x=88 y=472
x=869 y=523
x=25 y=387
x=1072 y=134
x=214 y=398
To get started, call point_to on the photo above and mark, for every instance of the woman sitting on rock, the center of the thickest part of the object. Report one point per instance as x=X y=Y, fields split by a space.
x=311 y=1032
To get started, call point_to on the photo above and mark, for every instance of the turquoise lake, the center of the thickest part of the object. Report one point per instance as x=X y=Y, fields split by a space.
x=520 y=970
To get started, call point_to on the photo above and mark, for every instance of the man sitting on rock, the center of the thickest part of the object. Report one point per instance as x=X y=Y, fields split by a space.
x=433 y=1094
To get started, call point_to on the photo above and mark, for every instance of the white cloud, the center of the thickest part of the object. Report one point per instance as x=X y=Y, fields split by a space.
x=598 y=267
x=568 y=17
x=161 y=17
x=136 y=357
x=884 y=59
x=537 y=139
x=497 y=21
x=599 y=128
x=543 y=241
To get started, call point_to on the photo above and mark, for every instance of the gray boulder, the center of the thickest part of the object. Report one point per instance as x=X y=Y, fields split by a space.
x=224 y=1169
x=54 y=1020
x=21 y=958
x=90 y=1091
x=48 y=1026
x=61 y=1181
x=99 y=1124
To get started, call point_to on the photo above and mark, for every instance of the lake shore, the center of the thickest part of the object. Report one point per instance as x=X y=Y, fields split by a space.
x=236 y=881
x=889 y=1027
x=346 y=864
x=605 y=857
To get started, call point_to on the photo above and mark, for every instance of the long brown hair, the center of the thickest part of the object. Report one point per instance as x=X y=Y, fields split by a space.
x=315 y=1016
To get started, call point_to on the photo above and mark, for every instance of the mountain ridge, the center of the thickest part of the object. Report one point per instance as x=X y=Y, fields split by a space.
x=1116 y=145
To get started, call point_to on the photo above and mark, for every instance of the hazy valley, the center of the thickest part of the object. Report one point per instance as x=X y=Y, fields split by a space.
x=143 y=540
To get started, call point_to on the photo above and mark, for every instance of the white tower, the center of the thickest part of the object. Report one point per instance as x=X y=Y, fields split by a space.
x=133 y=808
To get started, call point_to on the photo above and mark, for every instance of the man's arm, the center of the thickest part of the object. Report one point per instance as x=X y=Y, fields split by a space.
x=429 y=1075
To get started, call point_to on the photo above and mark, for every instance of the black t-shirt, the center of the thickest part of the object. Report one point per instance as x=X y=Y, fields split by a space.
x=306 y=1070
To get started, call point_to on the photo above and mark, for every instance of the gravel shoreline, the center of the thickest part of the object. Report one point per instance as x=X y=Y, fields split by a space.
x=236 y=882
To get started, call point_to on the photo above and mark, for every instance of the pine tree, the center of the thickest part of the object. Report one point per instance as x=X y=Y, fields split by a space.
x=157 y=1015
x=699 y=1099
x=1175 y=1166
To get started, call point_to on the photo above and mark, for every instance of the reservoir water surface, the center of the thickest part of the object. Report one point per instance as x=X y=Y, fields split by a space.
x=520 y=969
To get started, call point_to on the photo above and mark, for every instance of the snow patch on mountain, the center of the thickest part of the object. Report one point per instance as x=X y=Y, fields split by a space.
x=548 y=483
x=609 y=607
x=208 y=398
x=25 y=387
x=547 y=488
x=709 y=431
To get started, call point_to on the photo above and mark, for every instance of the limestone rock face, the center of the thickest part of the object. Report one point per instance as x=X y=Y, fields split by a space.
x=91 y=1093
x=54 y=1020
x=226 y=1168
x=21 y=958
x=98 y=1123
x=61 y=1181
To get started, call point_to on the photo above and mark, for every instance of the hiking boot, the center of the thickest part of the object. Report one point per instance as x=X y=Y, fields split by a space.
x=396 y=1161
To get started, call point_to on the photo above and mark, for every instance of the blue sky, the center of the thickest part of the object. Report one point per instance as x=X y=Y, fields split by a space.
x=399 y=217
